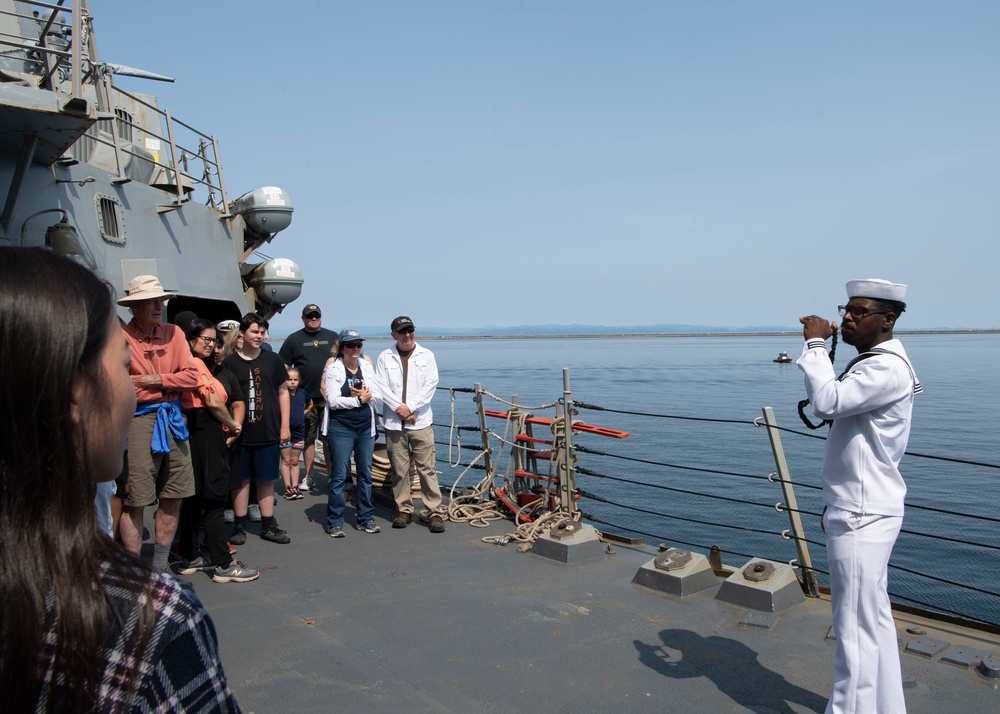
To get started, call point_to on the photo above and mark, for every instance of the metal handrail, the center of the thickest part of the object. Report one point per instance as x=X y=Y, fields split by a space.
x=178 y=151
x=805 y=562
x=98 y=74
x=702 y=526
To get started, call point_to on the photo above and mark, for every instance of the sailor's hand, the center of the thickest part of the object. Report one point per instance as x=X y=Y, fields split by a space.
x=403 y=412
x=814 y=326
x=364 y=394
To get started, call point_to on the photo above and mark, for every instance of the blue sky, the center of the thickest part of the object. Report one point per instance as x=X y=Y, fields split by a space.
x=617 y=163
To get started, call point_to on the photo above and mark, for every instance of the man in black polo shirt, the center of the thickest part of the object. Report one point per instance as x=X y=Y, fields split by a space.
x=308 y=350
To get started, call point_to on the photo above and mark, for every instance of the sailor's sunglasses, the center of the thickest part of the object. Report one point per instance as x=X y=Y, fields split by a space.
x=858 y=312
x=404 y=330
x=352 y=345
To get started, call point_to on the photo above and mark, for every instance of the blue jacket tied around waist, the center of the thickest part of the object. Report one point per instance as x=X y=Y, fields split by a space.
x=168 y=416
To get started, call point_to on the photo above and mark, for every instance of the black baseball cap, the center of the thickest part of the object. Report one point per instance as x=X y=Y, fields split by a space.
x=401 y=321
x=310 y=308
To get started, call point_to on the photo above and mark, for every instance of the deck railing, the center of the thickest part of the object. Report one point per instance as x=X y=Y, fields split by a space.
x=707 y=483
x=62 y=56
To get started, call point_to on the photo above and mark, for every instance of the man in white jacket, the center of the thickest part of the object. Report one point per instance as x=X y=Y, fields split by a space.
x=407 y=376
x=870 y=405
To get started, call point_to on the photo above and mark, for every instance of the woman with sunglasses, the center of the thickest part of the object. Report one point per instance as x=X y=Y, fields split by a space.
x=211 y=427
x=349 y=428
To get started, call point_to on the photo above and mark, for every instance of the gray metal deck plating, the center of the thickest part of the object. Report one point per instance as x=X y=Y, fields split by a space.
x=406 y=619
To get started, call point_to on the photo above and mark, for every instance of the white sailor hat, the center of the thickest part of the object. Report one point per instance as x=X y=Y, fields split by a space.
x=876 y=289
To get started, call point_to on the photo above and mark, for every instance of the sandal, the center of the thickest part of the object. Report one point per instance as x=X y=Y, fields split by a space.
x=289 y=494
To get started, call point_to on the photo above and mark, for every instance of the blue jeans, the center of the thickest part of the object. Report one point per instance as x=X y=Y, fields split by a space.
x=343 y=442
x=102 y=500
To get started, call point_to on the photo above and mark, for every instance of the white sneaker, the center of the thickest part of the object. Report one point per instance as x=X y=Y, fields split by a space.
x=307 y=484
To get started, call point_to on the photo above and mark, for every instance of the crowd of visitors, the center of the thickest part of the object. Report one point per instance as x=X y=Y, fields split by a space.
x=227 y=422
x=193 y=418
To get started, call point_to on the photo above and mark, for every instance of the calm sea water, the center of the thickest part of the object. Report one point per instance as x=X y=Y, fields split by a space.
x=732 y=378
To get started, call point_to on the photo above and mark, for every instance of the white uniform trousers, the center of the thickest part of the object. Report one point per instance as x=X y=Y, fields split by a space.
x=866 y=673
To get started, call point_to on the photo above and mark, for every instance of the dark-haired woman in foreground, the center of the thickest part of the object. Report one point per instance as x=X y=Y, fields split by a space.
x=84 y=626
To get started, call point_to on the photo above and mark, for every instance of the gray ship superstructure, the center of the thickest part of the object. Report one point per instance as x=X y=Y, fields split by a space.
x=91 y=170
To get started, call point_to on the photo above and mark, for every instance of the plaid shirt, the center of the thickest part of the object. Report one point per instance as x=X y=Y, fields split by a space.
x=180 y=672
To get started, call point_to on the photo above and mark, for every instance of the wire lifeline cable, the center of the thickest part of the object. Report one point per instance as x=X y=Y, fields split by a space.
x=585 y=405
x=595 y=474
x=971 y=588
x=914 y=454
x=784 y=507
x=635 y=459
x=764 y=532
x=595 y=497
x=520 y=407
x=796 y=538
x=788 y=430
x=816 y=487
x=797 y=433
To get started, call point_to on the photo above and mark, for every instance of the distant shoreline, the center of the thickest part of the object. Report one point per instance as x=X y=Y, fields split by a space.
x=605 y=335
x=785 y=333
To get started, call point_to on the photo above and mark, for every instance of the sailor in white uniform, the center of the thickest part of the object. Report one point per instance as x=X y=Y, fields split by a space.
x=870 y=405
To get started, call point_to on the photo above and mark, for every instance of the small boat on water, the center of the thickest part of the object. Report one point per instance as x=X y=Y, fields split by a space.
x=782 y=358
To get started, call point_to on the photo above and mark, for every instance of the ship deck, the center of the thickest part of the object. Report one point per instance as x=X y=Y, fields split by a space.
x=407 y=619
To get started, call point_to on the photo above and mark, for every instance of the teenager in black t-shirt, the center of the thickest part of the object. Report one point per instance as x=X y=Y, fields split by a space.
x=264 y=382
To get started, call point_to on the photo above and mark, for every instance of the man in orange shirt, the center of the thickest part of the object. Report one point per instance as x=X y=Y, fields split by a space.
x=159 y=457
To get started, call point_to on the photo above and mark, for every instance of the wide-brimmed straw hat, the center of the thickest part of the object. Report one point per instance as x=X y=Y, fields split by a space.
x=144 y=287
